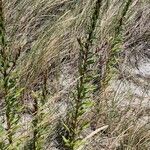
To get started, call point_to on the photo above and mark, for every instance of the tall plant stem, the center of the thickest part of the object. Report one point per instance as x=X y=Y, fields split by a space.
x=83 y=67
x=3 y=71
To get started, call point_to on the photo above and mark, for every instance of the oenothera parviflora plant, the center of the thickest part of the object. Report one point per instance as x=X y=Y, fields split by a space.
x=39 y=99
x=9 y=88
x=116 y=45
x=81 y=97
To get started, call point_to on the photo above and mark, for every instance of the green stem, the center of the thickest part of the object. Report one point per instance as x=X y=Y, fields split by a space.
x=123 y=14
x=4 y=71
x=35 y=123
x=82 y=68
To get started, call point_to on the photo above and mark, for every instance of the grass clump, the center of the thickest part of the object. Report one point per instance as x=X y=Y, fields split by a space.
x=67 y=63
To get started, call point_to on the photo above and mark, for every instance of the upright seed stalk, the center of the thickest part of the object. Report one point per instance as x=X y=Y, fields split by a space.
x=82 y=92
x=34 y=123
x=10 y=89
x=44 y=88
x=4 y=64
x=36 y=117
x=110 y=62
x=113 y=54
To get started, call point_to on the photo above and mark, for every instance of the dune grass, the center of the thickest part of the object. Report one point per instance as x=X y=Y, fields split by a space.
x=55 y=56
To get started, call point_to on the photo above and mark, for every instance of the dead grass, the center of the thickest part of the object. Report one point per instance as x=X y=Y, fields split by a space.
x=46 y=32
